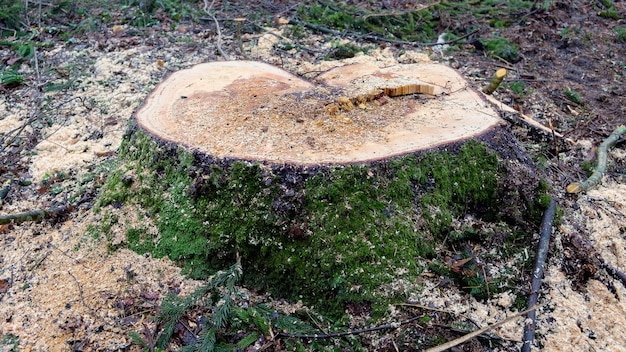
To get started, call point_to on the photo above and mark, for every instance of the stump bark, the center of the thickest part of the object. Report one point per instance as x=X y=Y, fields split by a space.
x=331 y=190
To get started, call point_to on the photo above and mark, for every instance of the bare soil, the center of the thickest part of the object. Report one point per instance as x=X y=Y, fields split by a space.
x=61 y=288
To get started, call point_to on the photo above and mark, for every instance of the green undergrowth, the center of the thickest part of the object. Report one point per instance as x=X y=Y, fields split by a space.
x=86 y=16
x=9 y=343
x=501 y=47
x=344 y=235
x=422 y=24
x=411 y=26
x=225 y=319
x=606 y=9
x=11 y=13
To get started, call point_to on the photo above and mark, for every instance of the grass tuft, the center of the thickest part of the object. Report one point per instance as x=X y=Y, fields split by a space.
x=501 y=47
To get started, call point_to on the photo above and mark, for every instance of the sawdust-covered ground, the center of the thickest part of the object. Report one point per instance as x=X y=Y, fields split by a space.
x=63 y=289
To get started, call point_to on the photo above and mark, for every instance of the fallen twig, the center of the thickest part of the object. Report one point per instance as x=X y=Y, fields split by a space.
x=614 y=271
x=207 y=8
x=478 y=332
x=9 y=137
x=349 y=332
x=542 y=254
x=600 y=169
x=35 y=215
x=80 y=292
x=516 y=117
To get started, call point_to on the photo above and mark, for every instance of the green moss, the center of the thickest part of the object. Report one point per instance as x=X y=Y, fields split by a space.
x=345 y=51
x=10 y=343
x=345 y=234
x=458 y=183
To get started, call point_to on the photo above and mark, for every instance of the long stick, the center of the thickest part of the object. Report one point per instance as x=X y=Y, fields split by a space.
x=473 y=334
x=34 y=215
x=349 y=332
x=542 y=254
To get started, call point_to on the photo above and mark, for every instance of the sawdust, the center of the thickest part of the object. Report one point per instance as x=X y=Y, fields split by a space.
x=462 y=305
x=68 y=290
x=594 y=319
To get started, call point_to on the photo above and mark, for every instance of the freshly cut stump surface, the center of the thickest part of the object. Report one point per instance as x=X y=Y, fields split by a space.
x=354 y=113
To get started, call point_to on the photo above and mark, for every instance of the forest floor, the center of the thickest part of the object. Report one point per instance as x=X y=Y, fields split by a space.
x=72 y=77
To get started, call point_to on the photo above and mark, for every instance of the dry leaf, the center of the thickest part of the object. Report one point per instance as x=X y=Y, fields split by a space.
x=4 y=286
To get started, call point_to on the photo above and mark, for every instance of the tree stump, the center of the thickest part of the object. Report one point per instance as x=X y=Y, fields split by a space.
x=330 y=190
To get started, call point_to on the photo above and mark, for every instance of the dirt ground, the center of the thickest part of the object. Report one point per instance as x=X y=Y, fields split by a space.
x=61 y=288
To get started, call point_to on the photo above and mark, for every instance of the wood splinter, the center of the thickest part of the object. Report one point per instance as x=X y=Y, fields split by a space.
x=495 y=81
x=410 y=89
x=346 y=104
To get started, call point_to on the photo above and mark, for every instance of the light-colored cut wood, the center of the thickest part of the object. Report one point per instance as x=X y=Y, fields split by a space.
x=354 y=113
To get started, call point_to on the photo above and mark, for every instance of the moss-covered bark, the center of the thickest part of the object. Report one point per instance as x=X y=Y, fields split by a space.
x=328 y=235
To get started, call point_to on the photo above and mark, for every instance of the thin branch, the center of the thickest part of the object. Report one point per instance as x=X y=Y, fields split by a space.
x=9 y=137
x=80 y=291
x=35 y=215
x=542 y=254
x=415 y=305
x=614 y=272
x=473 y=334
x=207 y=8
x=600 y=169
x=349 y=332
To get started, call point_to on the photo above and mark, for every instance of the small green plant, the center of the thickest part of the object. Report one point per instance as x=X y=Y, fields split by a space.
x=518 y=88
x=609 y=10
x=501 y=47
x=611 y=14
x=621 y=34
x=572 y=96
x=570 y=33
x=10 y=78
x=10 y=343
x=587 y=166
x=174 y=308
